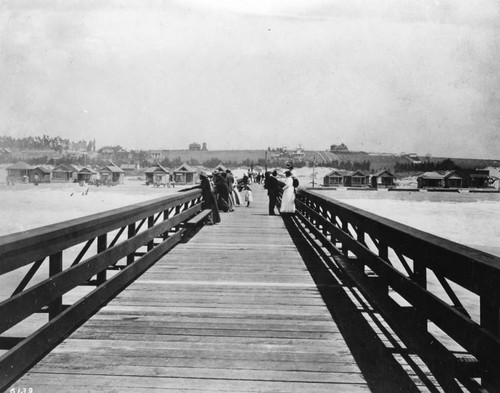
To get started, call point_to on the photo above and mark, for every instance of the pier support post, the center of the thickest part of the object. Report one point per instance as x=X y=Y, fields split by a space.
x=102 y=244
x=490 y=320
x=130 y=234
x=151 y=223
x=55 y=267
x=420 y=277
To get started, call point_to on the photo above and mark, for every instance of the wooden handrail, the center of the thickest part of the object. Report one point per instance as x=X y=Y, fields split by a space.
x=22 y=248
x=48 y=243
x=455 y=260
x=345 y=229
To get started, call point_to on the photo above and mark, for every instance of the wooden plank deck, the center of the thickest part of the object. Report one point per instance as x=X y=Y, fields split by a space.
x=234 y=309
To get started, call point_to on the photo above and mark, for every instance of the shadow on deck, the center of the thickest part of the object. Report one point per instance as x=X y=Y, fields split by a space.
x=371 y=342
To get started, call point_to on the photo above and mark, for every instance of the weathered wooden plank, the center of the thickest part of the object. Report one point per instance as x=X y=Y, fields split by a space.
x=96 y=369
x=239 y=337
x=335 y=364
x=209 y=324
x=121 y=383
x=341 y=355
x=241 y=320
x=220 y=312
x=331 y=347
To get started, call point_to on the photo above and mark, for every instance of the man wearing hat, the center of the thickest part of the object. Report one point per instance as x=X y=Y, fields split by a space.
x=272 y=186
x=209 y=201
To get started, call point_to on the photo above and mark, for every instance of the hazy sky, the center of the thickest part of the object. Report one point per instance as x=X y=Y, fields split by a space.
x=384 y=76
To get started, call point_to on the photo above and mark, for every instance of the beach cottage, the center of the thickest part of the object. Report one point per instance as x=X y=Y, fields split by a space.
x=430 y=180
x=87 y=174
x=333 y=178
x=382 y=178
x=111 y=174
x=158 y=175
x=453 y=180
x=356 y=179
x=479 y=178
x=20 y=172
x=64 y=173
x=42 y=174
x=185 y=175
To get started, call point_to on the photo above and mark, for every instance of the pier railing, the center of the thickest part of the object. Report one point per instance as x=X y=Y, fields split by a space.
x=107 y=251
x=418 y=282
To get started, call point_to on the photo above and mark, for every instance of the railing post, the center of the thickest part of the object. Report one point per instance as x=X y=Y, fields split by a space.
x=490 y=320
x=55 y=267
x=345 y=228
x=102 y=244
x=361 y=239
x=420 y=277
x=130 y=234
x=151 y=223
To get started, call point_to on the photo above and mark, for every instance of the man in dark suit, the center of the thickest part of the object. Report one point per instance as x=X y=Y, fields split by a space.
x=272 y=186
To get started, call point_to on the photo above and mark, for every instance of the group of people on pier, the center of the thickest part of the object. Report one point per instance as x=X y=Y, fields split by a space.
x=285 y=204
x=220 y=192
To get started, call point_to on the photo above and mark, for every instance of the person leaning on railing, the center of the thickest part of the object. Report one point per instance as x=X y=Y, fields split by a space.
x=209 y=200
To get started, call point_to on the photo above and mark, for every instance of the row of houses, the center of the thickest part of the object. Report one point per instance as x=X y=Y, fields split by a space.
x=184 y=174
x=21 y=172
x=474 y=178
x=338 y=177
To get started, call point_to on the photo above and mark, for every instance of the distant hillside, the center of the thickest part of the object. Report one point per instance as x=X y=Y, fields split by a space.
x=464 y=163
x=326 y=158
x=223 y=155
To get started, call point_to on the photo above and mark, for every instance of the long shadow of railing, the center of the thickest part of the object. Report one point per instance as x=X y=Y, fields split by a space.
x=107 y=251
x=418 y=282
x=381 y=371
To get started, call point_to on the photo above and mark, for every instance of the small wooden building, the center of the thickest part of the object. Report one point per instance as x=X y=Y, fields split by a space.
x=20 y=172
x=42 y=174
x=453 y=180
x=64 y=173
x=333 y=178
x=356 y=179
x=111 y=174
x=382 y=178
x=158 y=175
x=479 y=178
x=430 y=180
x=87 y=174
x=185 y=175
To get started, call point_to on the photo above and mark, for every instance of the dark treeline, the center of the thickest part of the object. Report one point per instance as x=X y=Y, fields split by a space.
x=445 y=165
x=351 y=166
x=43 y=142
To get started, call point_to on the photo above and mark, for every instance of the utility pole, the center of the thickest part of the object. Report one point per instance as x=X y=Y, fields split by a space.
x=314 y=171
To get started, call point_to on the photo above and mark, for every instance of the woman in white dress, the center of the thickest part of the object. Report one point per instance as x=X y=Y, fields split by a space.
x=288 y=197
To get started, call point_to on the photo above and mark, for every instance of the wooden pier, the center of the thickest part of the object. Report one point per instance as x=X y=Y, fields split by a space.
x=253 y=304
x=234 y=309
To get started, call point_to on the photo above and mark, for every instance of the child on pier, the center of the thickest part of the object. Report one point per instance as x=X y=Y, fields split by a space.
x=248 y=194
